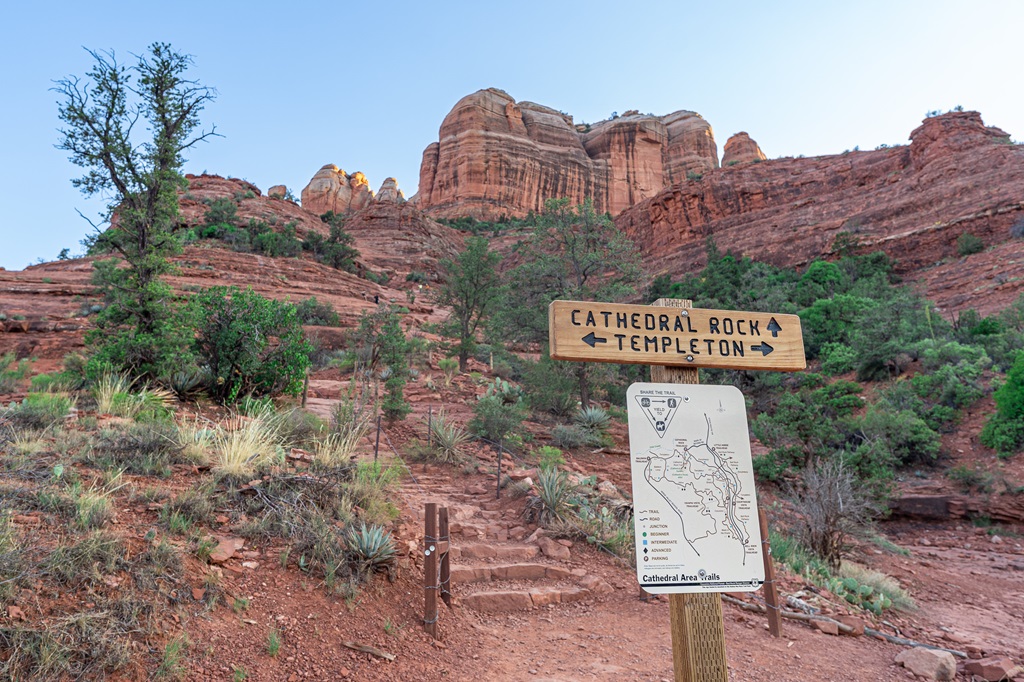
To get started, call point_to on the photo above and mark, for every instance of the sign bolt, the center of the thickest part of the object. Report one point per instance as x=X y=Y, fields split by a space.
x=689 y=358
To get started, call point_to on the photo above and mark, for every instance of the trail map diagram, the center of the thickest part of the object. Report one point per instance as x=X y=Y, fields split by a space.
x=693 y=489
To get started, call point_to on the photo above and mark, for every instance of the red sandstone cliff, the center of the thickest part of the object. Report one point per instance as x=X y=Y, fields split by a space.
x=497 y=157
x=956 y=176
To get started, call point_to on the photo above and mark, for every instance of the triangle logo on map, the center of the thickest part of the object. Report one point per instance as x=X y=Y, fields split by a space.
x=659 y=411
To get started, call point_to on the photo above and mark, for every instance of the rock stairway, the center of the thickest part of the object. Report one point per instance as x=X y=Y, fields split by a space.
x=497 y=565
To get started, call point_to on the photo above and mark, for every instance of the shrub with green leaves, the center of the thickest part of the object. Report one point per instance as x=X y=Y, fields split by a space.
x=313 y=312
x=12 y=373
x=336 y=249
x=1004 y=430
x=574 y=436
x=251 y=344
x=497 y=420
x=967 y=244
x=384 y=350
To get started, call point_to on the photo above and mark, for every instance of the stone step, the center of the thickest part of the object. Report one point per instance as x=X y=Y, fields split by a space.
x=522 y=600
x=488 y=572
x=501 y=552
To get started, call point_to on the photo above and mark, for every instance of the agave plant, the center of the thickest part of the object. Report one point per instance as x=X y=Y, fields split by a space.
x=371 y=549
x=593 y=419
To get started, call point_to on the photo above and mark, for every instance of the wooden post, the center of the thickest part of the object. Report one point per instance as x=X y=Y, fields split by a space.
x=430 y=426
x=376 y=446
x=446 y=570
x=771 y=592
x=430 y=586
x=698 y=630
x=305 y=388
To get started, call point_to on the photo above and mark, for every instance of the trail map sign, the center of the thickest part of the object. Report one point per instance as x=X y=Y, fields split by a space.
x=695 y=509
x=696 y=337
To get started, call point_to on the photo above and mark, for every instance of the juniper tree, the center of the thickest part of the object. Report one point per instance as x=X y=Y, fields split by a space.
x=139 y=174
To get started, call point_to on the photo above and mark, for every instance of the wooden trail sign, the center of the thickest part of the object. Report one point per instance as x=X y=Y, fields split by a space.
x=675 y=340
x=686 y=337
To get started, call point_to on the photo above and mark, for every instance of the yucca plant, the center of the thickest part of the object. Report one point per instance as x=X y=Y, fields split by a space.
x=238 y=452
x=448 y=439
x=593 y=418
x=371 y=549
x=553 y=493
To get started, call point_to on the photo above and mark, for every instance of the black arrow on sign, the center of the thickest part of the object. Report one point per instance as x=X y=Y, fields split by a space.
x=592 y=340
x=763 y=347
x=774 y=328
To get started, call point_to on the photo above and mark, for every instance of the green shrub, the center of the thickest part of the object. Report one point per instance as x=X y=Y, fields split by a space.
x=11 y=373
x=571 y=437
x=495 y=419
x=40 y=410
x=336 y=249
x=550 y=387
x=1004 y=430
x=549 y=457
x=251 y=344
x=371 y=549
x=448 y=439
x=222 y=211
x=967 y=243
x=313 y=312
x=837 y=358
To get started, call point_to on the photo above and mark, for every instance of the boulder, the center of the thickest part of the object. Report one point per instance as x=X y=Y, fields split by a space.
x=553 y=549
x=928 y=663
x=993 y=669
x=277 y=192
x=826 y=626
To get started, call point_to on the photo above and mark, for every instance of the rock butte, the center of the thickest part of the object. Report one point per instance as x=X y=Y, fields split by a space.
x=332 y=189
x=498 y=157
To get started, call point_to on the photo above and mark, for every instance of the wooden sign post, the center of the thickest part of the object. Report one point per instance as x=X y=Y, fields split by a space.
x=675 y=343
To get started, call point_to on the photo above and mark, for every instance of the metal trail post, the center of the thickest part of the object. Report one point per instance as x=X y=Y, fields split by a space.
x=376 y=446
x=430 y=586
x=430 y=426
x=771 y=592
x=698 y=629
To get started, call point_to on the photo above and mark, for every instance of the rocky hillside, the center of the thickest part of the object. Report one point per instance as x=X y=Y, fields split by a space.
x=914 y=202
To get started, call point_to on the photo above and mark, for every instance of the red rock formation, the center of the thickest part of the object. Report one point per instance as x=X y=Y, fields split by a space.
x=332 y=189
x=912 y=201
x=397 y=238
x=741 y=149
x=389 y=193
x=497 y=157
x=278 y=191
x=203 y=189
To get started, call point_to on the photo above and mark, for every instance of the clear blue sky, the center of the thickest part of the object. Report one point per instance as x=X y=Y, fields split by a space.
x=365 y=85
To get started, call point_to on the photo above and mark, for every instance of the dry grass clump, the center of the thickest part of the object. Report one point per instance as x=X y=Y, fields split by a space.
x=245 y=445
x=196 y=437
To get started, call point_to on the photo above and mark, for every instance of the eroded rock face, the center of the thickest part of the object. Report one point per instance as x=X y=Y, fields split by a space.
x=278 y=191
x=389 y=193
x=741 y=149
x=913 y=202
x=497 y=157
x=332 y=189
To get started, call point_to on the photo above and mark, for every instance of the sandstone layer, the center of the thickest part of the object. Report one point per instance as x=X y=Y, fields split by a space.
x=913 y=202
x=495 y=157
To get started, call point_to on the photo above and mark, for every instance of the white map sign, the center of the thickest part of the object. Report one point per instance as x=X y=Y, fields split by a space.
x=695 y=510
